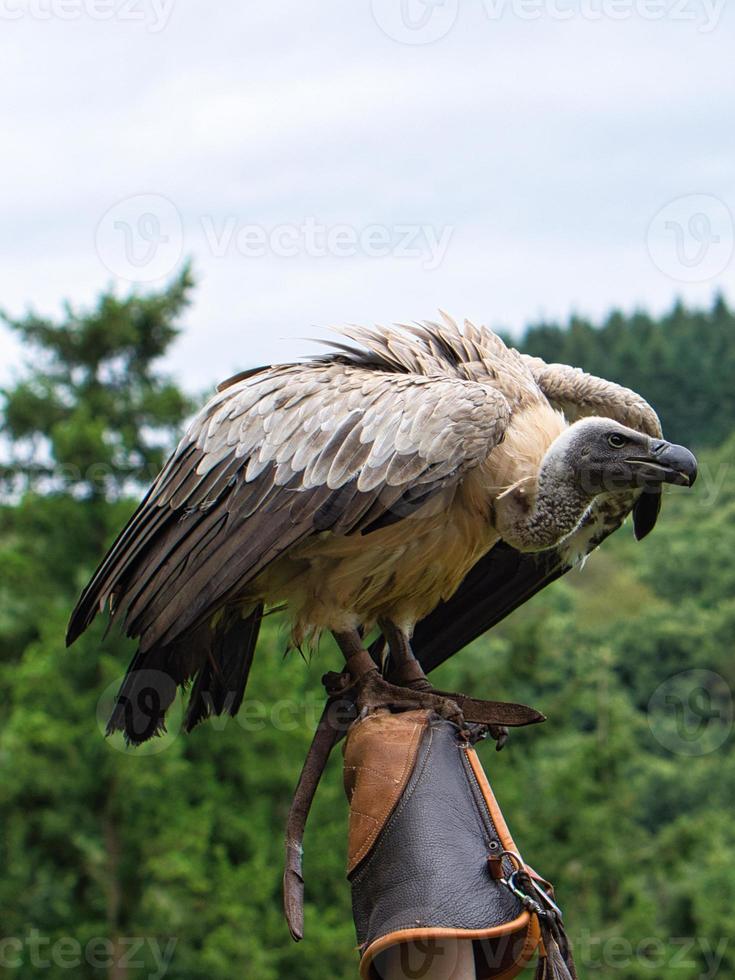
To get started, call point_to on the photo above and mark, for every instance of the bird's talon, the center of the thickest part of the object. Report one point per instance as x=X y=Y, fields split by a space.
x=420 y=685
x=501 y=734
x=375 y=693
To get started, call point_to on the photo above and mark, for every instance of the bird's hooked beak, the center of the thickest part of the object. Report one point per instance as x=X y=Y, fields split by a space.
x=665 y=463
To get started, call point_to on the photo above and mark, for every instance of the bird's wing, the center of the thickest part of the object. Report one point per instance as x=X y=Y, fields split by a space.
x=579 y=395
x=277 y=456
x=504 y=578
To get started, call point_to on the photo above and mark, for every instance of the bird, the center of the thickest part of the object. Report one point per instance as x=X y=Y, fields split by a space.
x=421 y=480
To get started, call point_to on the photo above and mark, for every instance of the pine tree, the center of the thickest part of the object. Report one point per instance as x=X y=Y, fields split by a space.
x=113 y=855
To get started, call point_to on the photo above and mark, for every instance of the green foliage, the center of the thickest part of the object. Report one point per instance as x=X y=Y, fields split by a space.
x=623 y=798
x=92 y=411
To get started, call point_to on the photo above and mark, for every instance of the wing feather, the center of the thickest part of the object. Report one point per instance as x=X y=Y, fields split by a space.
x=580 y=395
x=279 y=455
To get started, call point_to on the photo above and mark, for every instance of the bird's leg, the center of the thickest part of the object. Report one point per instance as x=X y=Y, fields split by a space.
x=364 y=684
x=404 y=665
x=373 y=692
x=406 y=669
x=357 y=660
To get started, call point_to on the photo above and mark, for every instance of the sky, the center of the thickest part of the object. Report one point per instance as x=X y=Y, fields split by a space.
x=364 y=161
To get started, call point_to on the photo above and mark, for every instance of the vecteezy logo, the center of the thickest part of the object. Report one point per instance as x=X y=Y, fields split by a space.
x=691 y=713
x=415 y=21
x=692 y=239
x=150 y=692
x=140 y=238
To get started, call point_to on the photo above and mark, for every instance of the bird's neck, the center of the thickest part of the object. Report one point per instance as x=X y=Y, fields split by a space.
x=539 y=512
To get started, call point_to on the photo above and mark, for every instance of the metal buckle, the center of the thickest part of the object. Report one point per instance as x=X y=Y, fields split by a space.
x=529 y=902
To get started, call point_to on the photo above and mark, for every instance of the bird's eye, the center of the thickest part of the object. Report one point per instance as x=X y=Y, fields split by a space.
x=616 y=440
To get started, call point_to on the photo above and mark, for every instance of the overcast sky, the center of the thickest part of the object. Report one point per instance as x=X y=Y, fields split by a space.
x=349 y=160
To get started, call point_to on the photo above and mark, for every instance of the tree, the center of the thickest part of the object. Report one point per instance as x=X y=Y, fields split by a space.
x=92 y=409
x=116 y=860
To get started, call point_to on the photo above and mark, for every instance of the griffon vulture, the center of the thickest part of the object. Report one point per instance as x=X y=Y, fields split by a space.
x=427 y=475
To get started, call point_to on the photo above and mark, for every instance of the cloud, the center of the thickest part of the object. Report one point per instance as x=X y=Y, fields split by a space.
x=545 y=146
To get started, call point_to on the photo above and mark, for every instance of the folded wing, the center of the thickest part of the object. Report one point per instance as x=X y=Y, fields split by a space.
x=277 y=456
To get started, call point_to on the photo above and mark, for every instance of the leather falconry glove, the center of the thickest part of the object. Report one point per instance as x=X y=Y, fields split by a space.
x=434 y=871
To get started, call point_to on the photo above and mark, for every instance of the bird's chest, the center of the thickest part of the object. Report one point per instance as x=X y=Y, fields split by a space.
x=400 y=572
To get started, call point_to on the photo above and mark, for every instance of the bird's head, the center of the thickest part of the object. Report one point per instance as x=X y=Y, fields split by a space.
x=591 y=457
x=608 y=457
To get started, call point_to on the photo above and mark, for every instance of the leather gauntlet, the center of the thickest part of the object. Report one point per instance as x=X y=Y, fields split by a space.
x=428 y=858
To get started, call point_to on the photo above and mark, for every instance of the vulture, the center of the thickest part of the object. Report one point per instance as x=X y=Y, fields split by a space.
x=423 y=480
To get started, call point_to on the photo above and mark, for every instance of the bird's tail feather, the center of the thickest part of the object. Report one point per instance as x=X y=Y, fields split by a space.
x=219 y=657
x=221 y=682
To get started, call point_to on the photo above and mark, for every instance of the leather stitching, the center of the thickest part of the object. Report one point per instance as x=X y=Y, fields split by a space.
x=375 y=772
x=368 y=816
x=403 y=801
x=523 y=922
x=354 y=859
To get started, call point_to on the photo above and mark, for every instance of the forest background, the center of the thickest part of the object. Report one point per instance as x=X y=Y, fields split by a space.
x=167 y=860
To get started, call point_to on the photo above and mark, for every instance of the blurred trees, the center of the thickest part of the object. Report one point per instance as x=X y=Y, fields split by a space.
x=167 y=860
x=113 y=858
x=92 y=408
